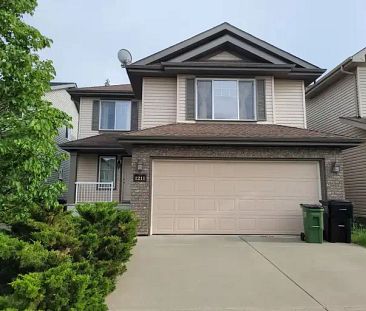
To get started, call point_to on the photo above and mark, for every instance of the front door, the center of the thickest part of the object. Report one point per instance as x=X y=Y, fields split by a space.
x=126 y=179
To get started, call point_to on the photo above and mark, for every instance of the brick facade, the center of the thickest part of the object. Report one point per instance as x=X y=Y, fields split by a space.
x=141 y=191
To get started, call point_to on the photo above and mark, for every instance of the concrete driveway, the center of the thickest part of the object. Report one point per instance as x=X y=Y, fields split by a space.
x=241 y=273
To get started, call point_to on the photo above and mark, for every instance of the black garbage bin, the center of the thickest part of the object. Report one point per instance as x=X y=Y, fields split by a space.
x=338 y=219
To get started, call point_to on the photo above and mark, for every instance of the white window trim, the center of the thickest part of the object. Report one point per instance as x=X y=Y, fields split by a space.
x=114 y=171
x=115 y=115
x=238 y=100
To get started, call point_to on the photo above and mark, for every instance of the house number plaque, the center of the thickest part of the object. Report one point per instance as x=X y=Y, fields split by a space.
x=139 y=177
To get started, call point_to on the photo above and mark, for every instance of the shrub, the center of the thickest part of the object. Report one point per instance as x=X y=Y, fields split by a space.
x=359 y=235
x=67 y=261
x=49 y=259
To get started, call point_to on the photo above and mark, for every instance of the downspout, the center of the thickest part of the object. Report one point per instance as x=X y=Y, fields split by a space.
x=357 y=101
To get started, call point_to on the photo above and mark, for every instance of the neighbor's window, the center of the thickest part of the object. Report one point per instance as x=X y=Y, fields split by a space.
x=107 y=169
x=225 y=99
x=115 y=115
x=68 y=133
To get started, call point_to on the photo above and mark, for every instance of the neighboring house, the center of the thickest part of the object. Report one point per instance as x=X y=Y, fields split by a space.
x=337 y=103
x=210 y=138
x=61 y=99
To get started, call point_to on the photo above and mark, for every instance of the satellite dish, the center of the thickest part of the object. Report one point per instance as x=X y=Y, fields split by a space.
x=124 y=57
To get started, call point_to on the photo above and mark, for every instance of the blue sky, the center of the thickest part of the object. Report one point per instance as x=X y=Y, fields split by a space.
x=87 y=34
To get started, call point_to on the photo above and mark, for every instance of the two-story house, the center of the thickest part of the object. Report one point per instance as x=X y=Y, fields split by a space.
x=61 y=99
x=210 y=138
x=336 y=103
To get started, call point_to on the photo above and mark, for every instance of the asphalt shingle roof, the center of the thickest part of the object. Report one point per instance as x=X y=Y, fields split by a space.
x=239 y=132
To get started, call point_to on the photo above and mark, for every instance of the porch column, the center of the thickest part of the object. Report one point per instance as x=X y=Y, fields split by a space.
x=72 y=178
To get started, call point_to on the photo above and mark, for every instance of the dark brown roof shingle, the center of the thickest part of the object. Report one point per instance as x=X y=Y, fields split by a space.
x=229 y=130
x=246 y=133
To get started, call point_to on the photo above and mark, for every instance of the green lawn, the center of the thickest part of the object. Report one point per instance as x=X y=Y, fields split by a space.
x=359 y=235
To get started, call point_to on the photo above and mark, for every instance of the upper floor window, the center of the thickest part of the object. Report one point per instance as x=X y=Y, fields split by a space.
x=115 y=115
x=225 y=99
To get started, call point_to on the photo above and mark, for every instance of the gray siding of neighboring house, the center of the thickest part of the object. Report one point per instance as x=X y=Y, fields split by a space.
x=61 y=99
x=355 y=178
x=361 y=78
x=338 y=100
x=323 y=112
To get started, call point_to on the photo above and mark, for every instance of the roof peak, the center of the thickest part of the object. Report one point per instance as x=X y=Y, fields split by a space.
x=242 y=39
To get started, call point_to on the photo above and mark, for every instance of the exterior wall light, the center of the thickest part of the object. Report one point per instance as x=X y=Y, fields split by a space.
x=139 y=165
x=336 y=168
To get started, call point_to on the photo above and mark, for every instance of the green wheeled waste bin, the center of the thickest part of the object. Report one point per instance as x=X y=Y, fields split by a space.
x=313 y=223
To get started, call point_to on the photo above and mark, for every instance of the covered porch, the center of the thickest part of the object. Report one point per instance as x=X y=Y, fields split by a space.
x=100 y=171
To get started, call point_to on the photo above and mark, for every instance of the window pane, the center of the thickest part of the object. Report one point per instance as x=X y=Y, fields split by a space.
x=107 y=169
x=123 y=115
x=246 y=100
x=225 y=99
x=204 y=99
x=107 y=115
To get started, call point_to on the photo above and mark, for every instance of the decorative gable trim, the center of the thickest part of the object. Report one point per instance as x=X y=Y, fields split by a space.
x=220 y=31
x=224 y=40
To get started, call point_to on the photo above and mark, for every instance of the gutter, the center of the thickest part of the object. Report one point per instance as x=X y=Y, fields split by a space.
x=308 y=142
x=315 y=86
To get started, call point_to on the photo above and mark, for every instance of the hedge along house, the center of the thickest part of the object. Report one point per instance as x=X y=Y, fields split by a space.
x=210 y=138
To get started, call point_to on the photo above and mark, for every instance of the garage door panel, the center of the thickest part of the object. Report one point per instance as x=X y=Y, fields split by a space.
x=185 y=224
x=200 y=197
x=225 y=205
x=171 y=169
x=204 y=187
x=164 y=224
x=205 y=169
x=183 y=186
x=246 y=225
x=226 y=223
x=225 y=187
x=204 y=205
x=206 y=224
x=185 y=205
x=166 y=205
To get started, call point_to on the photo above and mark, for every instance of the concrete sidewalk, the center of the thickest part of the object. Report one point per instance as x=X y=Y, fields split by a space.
x=241 y=273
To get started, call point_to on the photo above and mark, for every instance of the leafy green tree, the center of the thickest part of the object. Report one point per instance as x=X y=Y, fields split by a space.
x=50 y=259
x=28 y=123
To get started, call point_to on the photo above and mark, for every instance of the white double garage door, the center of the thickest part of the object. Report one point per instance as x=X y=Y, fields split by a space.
x=232 y=197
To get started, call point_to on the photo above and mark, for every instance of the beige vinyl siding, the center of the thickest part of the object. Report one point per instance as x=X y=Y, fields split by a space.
x=361 y=84
x=289 y=102
x=159 y=101
x=355 y=178
x=269 y=100
x=181 y=99
x=86 y=113
x=225 y=56
x=87 y=170
x=338 y=100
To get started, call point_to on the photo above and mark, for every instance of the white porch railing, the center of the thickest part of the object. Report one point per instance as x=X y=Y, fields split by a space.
x=93 y=192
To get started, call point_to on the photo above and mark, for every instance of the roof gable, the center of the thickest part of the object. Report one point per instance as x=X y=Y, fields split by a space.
x=224 y=34
x=226 y=56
